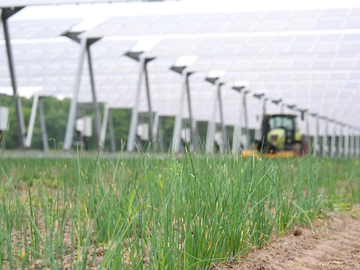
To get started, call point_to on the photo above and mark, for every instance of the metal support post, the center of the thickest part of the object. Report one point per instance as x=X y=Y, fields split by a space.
x=211 y=128
x=161 y=140
x=192 y=121
x=237 y=136
x=149 y=103
x=263 y=100
x=76 y=89
x=264 y=106
x=333 y=140
x=325 y=138
x=93 y=91
x=307 y=124
x=223 y=126
x=179 y=119
x=357 y=151
x=112 y=136
x=32 y=121
x=316 y=137
x=104 y=126
x=346 y=141
x=341 y=141
x=155 y=130
x=352 y=141
x=43 y=127
x=247 y=135
x=135 y=112
x=5 y=14
x=37 y=105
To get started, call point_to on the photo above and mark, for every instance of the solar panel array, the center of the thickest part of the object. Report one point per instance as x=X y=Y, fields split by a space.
x=316 y=70
x=250 y=22
x=23 y=3
x=45 y=28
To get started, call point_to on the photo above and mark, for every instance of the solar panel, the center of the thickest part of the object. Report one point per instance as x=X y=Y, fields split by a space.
x=211 y=27
x=267 y=25
x=299 y=24
x=294 y=66
x=305 y=13
x=23 y=3
x=325 y=48
x=334 y=13
x=243 y=26
x=329 y=24
x=22 y=29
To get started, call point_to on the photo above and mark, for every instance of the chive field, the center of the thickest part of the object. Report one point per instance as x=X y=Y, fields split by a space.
x=160 y=212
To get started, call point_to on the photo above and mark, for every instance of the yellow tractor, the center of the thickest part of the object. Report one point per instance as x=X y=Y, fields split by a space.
x=279 y=138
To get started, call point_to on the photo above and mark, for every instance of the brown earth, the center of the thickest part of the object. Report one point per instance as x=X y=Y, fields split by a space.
x=333 y=244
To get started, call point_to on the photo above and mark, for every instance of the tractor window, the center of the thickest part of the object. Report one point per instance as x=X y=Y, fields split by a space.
x=283 y=122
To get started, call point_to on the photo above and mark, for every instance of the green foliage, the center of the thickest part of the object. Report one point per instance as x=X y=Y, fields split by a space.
x=160 y=213
x=56 y=113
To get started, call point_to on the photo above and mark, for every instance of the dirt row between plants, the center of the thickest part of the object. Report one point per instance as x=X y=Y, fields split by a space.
x=332 y=243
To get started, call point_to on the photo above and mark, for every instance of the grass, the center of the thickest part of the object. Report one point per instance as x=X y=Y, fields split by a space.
x=152 y=212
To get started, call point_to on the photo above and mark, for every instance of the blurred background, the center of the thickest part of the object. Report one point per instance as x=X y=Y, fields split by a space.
x=95 y=70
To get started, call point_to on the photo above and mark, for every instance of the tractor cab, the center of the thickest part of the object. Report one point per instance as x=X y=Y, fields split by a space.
x=280 y=137
x=280 y=125
x=278 y=132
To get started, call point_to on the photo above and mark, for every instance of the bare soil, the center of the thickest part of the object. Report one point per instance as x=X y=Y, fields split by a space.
x=333 y=243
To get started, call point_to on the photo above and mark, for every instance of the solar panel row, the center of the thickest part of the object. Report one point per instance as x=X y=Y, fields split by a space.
x=25 y=29
x=310 y=69
x=24 y=3
x=229 y=23
x=116 y=78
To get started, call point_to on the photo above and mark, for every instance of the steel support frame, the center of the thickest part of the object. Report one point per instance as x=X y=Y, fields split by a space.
x=93 y=92
x=238 y=129
x=158 y=132
x=111 y=131
x=179 y=117
x=305 y=114
x=352 y=141
x=346 y=141
x=325 y=146
x=307 y=124
x=108 y=119
x=37 y=105
x=258 y=131
x=316 y=137
x=247 y=134
x=194 y=138
x=210 y=136
x=135 y=110
x=357 y=150
x=341 y=140
x=223 y=126
x=6 y=13
x=333 y=140
x=156 y=129
x=84 y=50
x=150 y=111
x=176 y=139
